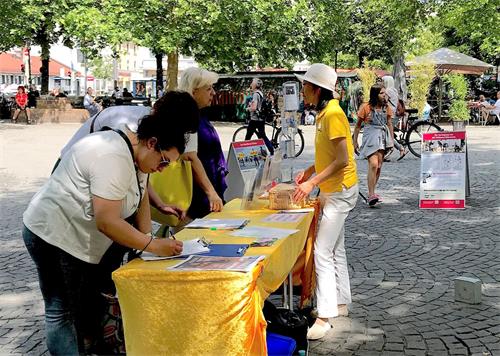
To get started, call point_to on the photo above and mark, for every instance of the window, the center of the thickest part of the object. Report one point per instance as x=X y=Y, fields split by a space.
x=2 y=80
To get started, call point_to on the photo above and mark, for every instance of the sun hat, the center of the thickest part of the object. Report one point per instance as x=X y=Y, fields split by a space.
x=321 y=75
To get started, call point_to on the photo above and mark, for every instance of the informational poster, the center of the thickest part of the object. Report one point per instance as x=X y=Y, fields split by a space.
x=243 y=160
x=442 y=173
x=291 y=96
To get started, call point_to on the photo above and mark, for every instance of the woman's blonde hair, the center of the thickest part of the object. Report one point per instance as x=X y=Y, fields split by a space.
x=194 y=78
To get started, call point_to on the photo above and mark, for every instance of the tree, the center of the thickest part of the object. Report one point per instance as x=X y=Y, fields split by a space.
x=472 y=26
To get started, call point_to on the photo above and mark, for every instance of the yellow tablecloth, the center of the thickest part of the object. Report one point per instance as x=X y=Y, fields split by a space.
x=205 y=313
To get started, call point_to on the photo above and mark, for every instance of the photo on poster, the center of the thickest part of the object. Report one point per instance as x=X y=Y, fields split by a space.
x=250 y=153
x=444 y=146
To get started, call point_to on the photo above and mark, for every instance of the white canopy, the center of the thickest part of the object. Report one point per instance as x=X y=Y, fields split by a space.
x=447 y=60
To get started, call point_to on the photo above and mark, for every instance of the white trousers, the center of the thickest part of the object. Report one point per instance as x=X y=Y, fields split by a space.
x=332 y=275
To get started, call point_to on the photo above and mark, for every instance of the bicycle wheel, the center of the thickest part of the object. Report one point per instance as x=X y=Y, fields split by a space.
x=239 y=134
x=415 y=134
x=298 y=140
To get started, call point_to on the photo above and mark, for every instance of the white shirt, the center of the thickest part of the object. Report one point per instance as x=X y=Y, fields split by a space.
x=117 y=117
x=62 y=213
x=496 y=110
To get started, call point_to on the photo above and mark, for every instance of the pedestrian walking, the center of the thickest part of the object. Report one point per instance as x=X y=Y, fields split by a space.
x=257 y=121
x=378 y=133
x=336 y=176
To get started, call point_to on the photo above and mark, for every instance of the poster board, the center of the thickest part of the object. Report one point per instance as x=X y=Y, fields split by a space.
x=243 y=159
x=443 y=170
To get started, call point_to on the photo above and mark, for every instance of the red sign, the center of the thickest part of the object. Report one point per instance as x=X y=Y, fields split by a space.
x=90 y=78
x=26 y=52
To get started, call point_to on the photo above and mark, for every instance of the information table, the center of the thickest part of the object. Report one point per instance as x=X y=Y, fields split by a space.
x=208 y=312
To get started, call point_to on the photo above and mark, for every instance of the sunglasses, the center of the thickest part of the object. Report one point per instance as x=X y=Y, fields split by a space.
x=164 y=161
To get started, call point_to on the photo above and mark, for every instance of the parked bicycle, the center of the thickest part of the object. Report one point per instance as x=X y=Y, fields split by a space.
x=240 y=133
x=409 y=131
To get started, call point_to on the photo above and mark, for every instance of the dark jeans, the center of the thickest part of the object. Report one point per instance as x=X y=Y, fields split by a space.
x=258 y=127
x=73 y=305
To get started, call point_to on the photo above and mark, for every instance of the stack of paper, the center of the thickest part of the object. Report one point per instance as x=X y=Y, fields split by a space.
x=219 y=224
x=189 y=247
x=213 y=263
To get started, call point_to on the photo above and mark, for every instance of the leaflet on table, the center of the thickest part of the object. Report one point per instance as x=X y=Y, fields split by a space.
x=220 y=224
x=295 y=211
x=263 y=232
x=213 y=263
x=189 y=247
x=284 y=217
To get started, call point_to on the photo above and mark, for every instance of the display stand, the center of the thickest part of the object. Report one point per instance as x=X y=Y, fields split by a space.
x=443 y=178
x=289 y=129
x=243 y=160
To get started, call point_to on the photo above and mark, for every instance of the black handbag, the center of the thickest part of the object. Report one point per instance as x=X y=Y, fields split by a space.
x=285 y=322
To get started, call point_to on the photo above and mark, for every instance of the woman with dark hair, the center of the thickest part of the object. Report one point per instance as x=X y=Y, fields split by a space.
x=378 y=132
x=96 y=196
x=22 y=104
x=337 y=179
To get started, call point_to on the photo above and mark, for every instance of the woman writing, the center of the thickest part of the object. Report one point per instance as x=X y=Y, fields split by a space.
x=82 y=209
x=336 y=176
x=378 y=135
x=209 y=164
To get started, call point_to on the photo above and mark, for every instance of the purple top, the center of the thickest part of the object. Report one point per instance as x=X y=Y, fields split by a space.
x=212 y=158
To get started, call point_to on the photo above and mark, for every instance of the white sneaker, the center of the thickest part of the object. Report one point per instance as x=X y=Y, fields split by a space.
x=317 y=331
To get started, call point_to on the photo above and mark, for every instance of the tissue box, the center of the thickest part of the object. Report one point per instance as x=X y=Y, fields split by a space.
x=468 y=290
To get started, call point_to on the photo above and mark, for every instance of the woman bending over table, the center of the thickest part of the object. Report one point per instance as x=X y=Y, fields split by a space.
x=82 y=208
x=337 y=179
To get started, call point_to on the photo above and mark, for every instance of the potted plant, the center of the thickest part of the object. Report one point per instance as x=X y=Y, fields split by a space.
x=459 y=113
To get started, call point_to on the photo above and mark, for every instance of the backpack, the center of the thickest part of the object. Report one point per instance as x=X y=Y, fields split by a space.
x=287 y=323
x=266 y=111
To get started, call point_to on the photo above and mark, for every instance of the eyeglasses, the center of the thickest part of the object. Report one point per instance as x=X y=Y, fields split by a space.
x=164 y=161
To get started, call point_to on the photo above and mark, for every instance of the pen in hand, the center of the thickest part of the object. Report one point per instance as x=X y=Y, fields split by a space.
x=171 y=235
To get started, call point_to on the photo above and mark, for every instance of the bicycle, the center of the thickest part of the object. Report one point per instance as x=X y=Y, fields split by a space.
x=409 y=131
x=240 y=133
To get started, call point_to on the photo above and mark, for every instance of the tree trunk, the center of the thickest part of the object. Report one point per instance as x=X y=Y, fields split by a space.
x=399 y=75
x=159 y=71
x=172 y=69
x=45 y=57
x=361 y=56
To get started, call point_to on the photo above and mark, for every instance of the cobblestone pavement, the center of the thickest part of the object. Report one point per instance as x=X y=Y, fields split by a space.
x=402 y=260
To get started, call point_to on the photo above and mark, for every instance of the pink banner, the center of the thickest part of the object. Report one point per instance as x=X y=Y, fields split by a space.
x=442 y=204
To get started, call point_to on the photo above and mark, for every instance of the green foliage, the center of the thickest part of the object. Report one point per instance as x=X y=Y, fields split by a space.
x=422 y=76
x=427 y=39
x=459 y=90
x=368 y=79
x=472 y=27
x=102 y=67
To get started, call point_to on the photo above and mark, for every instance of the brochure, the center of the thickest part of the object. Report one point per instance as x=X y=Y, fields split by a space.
x=213 y=263
x=263 y=232
x=284 y=217
x=218 y=224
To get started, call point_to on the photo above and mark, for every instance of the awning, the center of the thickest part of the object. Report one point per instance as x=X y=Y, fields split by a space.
x=447 y=61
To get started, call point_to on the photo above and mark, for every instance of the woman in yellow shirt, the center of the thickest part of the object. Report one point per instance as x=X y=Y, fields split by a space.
x=337 y=179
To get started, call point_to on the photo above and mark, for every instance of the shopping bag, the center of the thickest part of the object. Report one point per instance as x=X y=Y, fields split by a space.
x=174 y=185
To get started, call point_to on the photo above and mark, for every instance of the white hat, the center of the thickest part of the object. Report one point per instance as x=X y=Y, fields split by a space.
x=321 y=75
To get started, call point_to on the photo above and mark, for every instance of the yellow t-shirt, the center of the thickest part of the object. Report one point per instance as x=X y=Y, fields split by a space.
x=332 y=123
